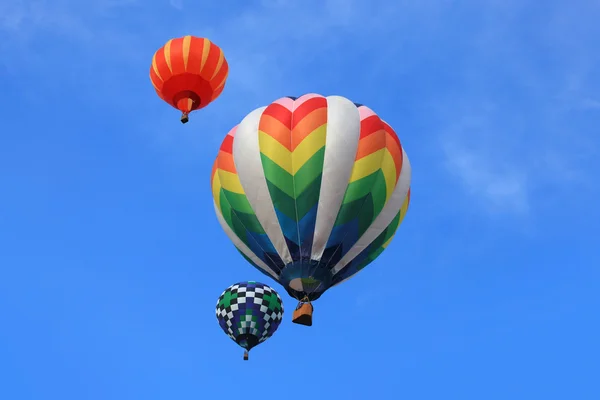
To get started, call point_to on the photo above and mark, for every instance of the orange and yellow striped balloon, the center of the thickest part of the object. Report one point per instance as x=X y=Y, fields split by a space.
x=189 y=73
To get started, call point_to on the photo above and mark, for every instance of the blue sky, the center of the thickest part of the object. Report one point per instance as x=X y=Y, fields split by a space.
x=112 y=259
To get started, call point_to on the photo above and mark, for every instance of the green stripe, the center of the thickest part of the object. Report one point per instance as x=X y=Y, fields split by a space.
x=281 y=201
x=278 y=176
x=235 y=218
x=309 y=197
x=364 y=199
x=378 y=193
x=238 y=225
x=225 y=207
x=359 y=189
x=294 y=195
x=239 y=202
x=250 y=222
x=349 y=211
x=365 y=215
x=376 y=247
x=307 y=174
x=238 y=228
x=370 y=258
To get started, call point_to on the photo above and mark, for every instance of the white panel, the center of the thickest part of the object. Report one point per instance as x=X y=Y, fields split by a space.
x=341 y=144
x=246 y=155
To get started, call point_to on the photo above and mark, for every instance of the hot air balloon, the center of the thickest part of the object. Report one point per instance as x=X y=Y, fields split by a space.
x=189 y=73
x=311 y=190
x=249 y=313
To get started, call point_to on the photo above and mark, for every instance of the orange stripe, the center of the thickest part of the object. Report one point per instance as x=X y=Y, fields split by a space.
x=185 y=44
x=195 y=55
x=177 y=58
x=226 y=163
x=213 y=172
x=396 y=153
x=398 y=159
x=156 y=81
x=161 y=65
x=211 y=62
x=153 y=67
x=392 y=133
x=217 y=92
x=276 y=129
x=371 y=144
x=306 y=108
x=221 y=76
x=219 y=64
x=281 y=131
x=307 y=125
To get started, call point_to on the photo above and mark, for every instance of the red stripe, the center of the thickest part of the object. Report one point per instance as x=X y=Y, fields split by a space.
x=306 y=108
x=227 y=145
x=370 y=125
x=392 y=133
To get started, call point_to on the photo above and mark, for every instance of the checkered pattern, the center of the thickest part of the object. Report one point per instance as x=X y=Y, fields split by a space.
x=249 y=308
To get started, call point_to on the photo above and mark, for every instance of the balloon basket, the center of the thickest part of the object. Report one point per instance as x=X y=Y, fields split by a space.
x=184 y=118
x=303 y=314
x=245 y=356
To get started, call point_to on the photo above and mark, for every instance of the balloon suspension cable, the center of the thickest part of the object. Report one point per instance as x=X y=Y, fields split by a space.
x=304 y=300
x=246 y=355
x=185 y=118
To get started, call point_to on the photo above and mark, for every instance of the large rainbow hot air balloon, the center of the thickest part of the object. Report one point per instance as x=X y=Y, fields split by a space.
x=311 y=190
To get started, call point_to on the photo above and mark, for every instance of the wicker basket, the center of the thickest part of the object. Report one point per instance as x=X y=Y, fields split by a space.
x=303 y=314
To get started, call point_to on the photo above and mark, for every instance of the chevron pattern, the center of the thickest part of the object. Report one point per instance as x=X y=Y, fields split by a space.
x=292 y=148
x=235 y=208
x=374 y=176
x=269 y=207
x=377 y=247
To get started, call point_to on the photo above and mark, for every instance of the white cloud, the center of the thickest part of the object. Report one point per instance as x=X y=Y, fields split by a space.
x=502 y=189
x=529 y=142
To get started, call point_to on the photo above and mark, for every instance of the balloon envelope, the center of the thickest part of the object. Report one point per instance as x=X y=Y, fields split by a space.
x=311 y=190
x=189 y=73
x=249 y=313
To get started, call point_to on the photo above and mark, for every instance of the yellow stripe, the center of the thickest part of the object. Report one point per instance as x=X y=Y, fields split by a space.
x=275 y=151
x=155 y=68
x=220 y=85
x=367 y=165
x=205 y=51
x=230 y=182
x=187 y=40
x=387 y=242
x=216 y=190
x=403 y=210
x=167 y=51
x=309 y=146
x=219 y=63
x=389 y=173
